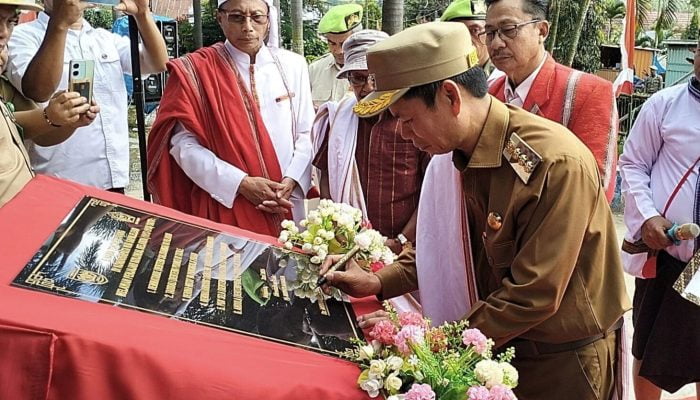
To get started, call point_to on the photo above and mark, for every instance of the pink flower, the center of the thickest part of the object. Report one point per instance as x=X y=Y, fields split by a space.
x=411 y=318
x=420 y=392
x=384 y=332
x=500 y=392
x=408 y=335
x=474 y=337
x=478 y=393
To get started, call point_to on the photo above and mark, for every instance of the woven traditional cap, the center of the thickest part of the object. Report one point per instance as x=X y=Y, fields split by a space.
x=355 y=50
x=23 y=4
x=461 y=9
x=419 y=55
x=340 y=19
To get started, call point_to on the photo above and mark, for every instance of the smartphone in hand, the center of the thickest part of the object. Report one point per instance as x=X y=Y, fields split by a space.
x=80 y=77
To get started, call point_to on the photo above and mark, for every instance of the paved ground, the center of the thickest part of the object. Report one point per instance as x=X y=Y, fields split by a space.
x=135 y=190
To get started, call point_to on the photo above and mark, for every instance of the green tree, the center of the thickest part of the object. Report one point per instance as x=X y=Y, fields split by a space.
x=571 y=45
x=691 y=32
x=613 y=9
x=211 y=31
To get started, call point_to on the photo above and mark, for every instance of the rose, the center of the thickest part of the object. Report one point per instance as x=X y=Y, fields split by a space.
x=372 y=387
x=376 y=369
x=287 y=224
x=284 y=236
x=393 y=383
x=316 y=260
x=489 y=373
x=288 y=245
x=306 y=247
x=394 y=363
x=366 y=352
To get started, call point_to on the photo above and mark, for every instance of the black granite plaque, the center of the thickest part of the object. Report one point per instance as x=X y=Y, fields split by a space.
x=108 y=253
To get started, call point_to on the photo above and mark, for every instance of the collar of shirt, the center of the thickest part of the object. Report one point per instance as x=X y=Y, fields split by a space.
x=43 y=19
x=489 y=147
x=522 y=90
x=263 y=57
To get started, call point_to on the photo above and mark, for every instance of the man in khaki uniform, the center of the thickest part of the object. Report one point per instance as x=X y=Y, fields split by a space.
x=546 y=259
x=23 y=119
x=336 y=26
x=463 y=11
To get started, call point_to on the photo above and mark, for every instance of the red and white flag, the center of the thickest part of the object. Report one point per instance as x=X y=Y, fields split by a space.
x=624 y=83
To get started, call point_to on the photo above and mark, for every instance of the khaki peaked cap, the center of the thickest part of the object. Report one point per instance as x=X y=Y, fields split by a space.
x=417 y=56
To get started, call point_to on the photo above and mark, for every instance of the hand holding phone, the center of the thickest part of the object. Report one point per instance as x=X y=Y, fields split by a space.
x=80 y=77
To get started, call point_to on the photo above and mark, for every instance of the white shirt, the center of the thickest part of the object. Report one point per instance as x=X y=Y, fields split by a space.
x=518 y=95
x=663 y=143
x=98 y=154
x=221 y=179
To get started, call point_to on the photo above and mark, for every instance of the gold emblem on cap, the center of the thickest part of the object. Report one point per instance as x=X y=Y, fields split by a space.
x=494 y=220
x=374 y=105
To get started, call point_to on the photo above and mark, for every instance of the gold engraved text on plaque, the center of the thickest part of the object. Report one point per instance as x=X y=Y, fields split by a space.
x=160 y=263
x=174 y=273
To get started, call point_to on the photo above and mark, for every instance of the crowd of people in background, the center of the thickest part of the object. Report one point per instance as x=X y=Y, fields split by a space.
x=488 y=166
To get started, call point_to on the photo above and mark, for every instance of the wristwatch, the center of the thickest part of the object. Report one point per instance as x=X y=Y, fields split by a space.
x=402 y=239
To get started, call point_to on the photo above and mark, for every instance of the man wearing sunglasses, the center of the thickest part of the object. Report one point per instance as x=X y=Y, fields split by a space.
x=336 y=26
x=231 y=141
x=515 y=34
x=365 y=162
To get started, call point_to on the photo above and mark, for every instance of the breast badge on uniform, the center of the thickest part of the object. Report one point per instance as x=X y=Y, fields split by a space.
x=522 y=158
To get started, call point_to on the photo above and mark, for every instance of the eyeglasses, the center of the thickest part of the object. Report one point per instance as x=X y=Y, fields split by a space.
x=506 y=32
x=360 y=80
x=235 y=17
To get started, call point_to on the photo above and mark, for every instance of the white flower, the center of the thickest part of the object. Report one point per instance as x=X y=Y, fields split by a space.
x=394 y=363
x=363 y=240
x=312 y=215
x=489 y=373
x=303 y=223
x=325 y=212
x=396 y=397
x=323 y=203
x=375 y=255
x=318 y=240
x=393 y=383
x=366 y=352
x=288 y=245
x=316 y=260
x=377 y=368
x=388 y=257
x=321 y=253
x=284 y=236
x=510 y=375
x=329 y=235
x=306 y=247
x=372 y=387
x=413 y=360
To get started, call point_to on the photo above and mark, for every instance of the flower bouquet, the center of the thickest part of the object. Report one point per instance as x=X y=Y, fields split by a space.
x=407 y=359
x=335 y=228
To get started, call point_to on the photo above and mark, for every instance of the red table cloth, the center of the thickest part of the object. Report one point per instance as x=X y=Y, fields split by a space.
x=54 y=347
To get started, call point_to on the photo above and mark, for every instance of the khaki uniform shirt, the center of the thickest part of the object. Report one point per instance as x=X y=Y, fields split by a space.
x=15 y=170
x=324 y=85
x=551 y=271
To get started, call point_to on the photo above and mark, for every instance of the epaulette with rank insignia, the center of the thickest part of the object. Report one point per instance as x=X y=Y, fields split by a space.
x=522 y=158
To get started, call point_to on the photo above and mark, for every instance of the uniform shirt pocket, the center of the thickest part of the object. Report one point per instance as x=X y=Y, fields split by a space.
x=500 y=254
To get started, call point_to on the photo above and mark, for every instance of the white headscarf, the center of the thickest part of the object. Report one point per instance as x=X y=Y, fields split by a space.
x=273 y=37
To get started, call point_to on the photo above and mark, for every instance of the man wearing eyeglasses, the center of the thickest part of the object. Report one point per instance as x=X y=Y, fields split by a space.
x=231 y=140
x=40 y=55
x=365 y=162
x=515 y=34
x=463 y=11
x=336 y=26
x=659 y=170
